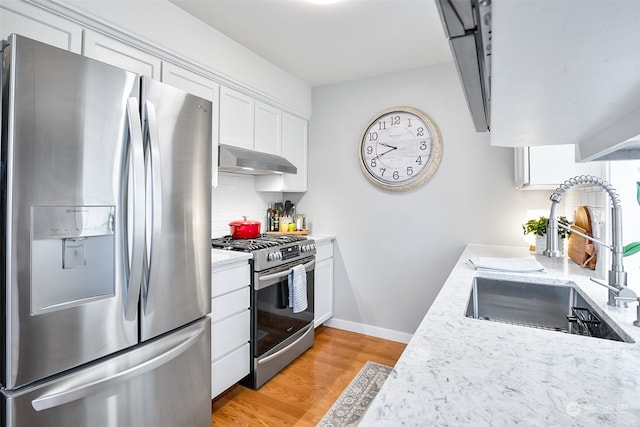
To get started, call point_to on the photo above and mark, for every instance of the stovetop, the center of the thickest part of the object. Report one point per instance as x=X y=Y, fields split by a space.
x=264 y=241
x=269 y=250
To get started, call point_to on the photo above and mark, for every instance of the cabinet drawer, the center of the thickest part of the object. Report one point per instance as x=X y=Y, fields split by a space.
x=229 y=334
x=229 y=279
x=228 y=304
x=229 y=370
x=324 y=251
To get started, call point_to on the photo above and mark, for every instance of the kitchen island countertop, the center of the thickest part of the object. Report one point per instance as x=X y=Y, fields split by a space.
x=458 y=371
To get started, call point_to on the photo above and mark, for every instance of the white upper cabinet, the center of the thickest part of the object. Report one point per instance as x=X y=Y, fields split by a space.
x=546 y=167
x=189 y=81
x=115 y=52
x=236 y=118
x=294 y=149
x=203 y=87
x=32 y=22
x=267 y=134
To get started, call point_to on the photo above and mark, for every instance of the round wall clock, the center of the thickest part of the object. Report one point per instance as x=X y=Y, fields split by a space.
x=400 y=149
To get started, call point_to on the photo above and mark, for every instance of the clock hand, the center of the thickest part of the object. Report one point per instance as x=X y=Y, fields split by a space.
x=387 y=145
x=380 y=155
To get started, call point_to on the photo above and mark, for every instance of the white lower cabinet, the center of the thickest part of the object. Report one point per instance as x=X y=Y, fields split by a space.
x=230 y=325
x=323 y=283
x=226 y=371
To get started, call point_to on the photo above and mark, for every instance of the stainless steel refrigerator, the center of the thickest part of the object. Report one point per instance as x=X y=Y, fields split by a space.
x=105 y=193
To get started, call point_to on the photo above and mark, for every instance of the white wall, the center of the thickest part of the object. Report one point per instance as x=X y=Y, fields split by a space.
x=395 y=250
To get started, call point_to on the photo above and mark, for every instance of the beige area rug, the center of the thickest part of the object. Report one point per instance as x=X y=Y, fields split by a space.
x=355 y=399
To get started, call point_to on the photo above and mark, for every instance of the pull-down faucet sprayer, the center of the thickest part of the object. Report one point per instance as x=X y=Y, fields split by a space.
x=619 y=294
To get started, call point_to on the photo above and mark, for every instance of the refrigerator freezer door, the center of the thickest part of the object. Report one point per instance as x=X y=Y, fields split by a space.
x=177 y=128
x=64 y=151
x=165 y=382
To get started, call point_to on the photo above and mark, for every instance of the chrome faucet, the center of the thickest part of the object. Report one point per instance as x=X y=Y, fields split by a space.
x=619 y=294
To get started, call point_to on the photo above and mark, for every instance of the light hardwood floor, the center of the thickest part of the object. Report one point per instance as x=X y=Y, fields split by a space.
x=304 y=391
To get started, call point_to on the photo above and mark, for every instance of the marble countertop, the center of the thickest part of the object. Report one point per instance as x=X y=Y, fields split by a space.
x=321 y=238
x=220 y=257
x=458 y=371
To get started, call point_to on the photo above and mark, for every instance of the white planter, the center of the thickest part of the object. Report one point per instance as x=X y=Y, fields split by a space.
x=541 y=244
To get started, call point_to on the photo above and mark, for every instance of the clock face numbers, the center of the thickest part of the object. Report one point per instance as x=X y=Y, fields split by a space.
x=400 y=149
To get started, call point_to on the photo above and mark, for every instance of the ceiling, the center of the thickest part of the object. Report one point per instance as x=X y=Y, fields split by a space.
x=328 y=44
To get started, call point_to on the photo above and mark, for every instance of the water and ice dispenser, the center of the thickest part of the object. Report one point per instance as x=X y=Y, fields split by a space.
x=72 y=256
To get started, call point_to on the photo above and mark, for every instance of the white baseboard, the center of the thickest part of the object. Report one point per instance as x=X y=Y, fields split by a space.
x=373 y=331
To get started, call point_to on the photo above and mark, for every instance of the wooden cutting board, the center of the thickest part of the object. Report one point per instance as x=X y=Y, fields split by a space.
x=581 y=250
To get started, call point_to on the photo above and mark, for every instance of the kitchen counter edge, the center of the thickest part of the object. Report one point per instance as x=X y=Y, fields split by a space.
x=221 y=257
x=321 y=239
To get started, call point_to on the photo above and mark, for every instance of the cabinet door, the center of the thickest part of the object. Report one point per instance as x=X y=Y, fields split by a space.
x=267 y=129
x=229 y=334
x=37 y=24
x=120 y=54
x=236 y=118
x=230 y=278
x=545 y=167
x=231 y=303
x=203 y=87
x=323 y=291
x=294 y=149
x=229 y=369
x=323 y=279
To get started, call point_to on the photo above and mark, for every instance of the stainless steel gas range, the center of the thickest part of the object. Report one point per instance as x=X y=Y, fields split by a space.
x=278 y=334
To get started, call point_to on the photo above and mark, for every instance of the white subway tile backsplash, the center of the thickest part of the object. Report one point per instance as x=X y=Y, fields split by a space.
x=235 y=197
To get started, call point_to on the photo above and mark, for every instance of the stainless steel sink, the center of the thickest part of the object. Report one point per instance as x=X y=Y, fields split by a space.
x=549 y=306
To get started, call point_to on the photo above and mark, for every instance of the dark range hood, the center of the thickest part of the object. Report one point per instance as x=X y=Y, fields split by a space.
x=467 y=24
x=240 y=160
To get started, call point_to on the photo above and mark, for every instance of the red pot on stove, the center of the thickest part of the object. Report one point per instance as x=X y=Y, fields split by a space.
x=244 y=228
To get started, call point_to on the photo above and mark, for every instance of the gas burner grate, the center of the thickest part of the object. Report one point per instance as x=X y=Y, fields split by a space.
x=250 y=245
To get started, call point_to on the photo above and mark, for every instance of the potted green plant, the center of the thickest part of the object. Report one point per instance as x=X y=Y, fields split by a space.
x=538 y=227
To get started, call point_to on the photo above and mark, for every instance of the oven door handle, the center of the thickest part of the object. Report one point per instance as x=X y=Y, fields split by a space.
x=307 y=267
x=287 y=348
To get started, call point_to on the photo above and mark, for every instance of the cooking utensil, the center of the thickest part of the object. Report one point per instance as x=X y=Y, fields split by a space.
x=581 y=250
x=244 y=228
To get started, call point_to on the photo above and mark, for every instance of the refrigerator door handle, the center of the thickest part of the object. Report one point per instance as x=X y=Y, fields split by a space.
x=137 y=189
x=77 y=392
x=154 y=219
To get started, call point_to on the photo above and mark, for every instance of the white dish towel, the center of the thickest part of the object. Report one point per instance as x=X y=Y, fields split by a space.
x=298 y=289
x=516 y=265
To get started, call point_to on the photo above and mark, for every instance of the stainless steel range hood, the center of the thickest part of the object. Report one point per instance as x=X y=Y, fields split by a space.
x=467 y=24
x=240 y=160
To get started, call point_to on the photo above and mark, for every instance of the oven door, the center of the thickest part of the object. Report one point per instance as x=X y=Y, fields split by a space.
x=273 y=320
